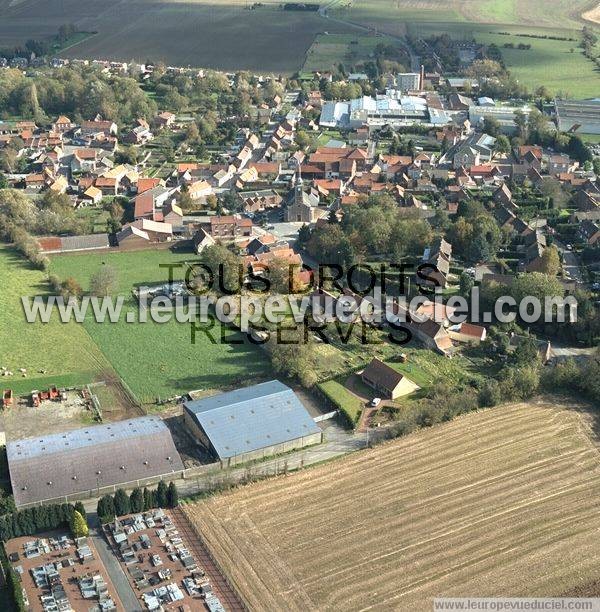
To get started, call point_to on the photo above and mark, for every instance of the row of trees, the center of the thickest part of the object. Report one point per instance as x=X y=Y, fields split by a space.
x=21 y=218
x=39 y=518
x=140 y=500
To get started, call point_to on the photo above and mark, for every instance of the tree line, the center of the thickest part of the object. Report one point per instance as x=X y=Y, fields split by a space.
x=39 y=518
x=140 y=500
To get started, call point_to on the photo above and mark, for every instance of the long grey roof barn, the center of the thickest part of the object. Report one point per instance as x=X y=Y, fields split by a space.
x=82 y=461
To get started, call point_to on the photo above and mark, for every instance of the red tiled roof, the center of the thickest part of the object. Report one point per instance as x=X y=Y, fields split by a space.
x=144 y=205
x=145 y=183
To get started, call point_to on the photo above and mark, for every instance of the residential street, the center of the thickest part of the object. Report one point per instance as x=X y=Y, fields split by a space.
x=570 y=262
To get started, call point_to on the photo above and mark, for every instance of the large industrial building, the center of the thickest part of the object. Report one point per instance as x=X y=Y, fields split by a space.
x=251 y=423
x=581 y=116
x=84 y=462
x=504 y=115
x=392 y=108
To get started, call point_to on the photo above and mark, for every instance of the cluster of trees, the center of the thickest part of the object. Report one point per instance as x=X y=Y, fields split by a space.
x=15 y=588
x=79 y=91
x=52 y=213
x=20 y=217
x=474 y=234
x=140 y=500
x=10 y=161
x=293 y=356
x=518 y=379
x=39 y=518
x=570 y=375
x=377 y=226
x=211 y=99
x=39 y=48
x=399 y=146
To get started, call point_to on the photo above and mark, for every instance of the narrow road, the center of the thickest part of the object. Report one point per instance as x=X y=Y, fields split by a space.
x=571 y=263
x=111 y=563
x=338 y=442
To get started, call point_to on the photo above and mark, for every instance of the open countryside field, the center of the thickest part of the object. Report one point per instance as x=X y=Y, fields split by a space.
x=558 y=64
x=496 y=503
x=65 y=351
x=389 y=13
x=330 y=49
x=159 y=361
x=548 y=62
x=209 y=34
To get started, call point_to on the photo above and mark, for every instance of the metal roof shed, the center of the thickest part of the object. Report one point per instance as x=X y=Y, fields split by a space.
x=252 y=422
x=75 y=463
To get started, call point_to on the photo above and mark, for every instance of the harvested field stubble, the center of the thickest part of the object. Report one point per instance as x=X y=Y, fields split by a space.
x=497 y=503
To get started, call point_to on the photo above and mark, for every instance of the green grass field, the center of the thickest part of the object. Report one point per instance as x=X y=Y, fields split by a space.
x=549 y=62
x=159 y=360
x=557 y=64
x=331 y=49
x=65 y=351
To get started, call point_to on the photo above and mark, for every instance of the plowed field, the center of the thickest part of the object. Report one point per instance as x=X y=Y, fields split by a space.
x=498 y=503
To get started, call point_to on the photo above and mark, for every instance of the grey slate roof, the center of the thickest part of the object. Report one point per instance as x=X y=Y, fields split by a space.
x=252 y=418
x=70 y=460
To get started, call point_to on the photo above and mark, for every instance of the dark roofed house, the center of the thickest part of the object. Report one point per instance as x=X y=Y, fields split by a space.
x=503 y=195
x=589 y=232
x=439 y=256
x=433 y=335
x=54 y=466
x=387 y=381
x=251 y=423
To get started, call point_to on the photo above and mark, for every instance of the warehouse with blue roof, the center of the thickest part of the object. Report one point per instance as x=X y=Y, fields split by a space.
x=251 y=423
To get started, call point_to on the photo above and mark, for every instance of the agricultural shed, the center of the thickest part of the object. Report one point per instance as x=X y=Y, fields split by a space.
x=251 y=423
x=76 y=464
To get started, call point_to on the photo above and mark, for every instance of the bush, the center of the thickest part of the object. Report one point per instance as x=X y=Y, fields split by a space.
x=79 y=527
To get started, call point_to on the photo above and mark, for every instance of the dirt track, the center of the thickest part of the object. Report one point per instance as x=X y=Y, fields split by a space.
x=503 y=502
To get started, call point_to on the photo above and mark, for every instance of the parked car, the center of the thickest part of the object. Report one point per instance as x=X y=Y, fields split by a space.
x=375 y=402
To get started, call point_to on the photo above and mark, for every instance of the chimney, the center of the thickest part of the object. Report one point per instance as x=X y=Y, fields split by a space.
x=422 y=79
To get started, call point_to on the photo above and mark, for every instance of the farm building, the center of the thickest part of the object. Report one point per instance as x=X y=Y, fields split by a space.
x=387 y=381
x=578 y=115
x=76 y=464
x=251 y=423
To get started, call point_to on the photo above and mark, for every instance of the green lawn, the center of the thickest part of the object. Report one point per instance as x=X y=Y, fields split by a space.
x=159 y=360
x=65 y=351
x=345 y=401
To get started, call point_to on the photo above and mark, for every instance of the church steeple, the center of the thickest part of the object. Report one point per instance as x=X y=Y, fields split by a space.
x=299 y=195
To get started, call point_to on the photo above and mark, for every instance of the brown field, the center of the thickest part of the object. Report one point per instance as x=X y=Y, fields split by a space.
x=216 y=34
x=497 y=503
x=593 y=15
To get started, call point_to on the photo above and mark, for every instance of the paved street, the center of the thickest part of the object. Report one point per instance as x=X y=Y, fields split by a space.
x=118 y=578
x=570 y=262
